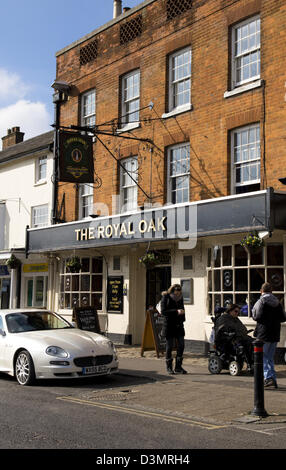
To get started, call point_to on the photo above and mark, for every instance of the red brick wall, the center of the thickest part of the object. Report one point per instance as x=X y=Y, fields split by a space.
x=206 y=29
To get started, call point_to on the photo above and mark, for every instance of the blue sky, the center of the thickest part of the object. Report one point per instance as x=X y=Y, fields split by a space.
x=31 y=32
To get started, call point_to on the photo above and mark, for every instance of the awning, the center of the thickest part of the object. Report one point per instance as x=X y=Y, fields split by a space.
x=262 y=210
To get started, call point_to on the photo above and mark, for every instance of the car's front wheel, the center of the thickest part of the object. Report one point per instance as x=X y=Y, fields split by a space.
x=24 y=368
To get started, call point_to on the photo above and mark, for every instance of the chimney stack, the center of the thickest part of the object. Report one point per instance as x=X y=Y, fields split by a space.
x=117 y=8
x=13 y=137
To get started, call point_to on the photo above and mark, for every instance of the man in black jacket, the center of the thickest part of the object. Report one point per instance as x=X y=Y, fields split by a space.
x=269 y=314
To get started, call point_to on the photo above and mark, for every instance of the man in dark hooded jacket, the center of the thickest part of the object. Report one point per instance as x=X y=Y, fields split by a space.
x=269 y=314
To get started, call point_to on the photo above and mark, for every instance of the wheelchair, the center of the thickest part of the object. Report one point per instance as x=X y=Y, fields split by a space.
x=227 y=353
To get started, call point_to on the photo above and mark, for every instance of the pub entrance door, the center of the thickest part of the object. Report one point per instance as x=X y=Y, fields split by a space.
x=158 y=280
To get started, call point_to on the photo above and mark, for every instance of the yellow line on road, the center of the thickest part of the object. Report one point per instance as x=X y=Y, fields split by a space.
x=150 y=414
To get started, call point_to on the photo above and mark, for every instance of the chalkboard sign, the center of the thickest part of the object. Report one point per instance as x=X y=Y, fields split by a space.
x=115 y=294
x=86 y=318
x=153 y=337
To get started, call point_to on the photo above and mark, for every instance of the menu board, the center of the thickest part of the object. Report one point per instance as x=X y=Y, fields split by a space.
x=86 y=318
x=153 y=337
x=115 y=294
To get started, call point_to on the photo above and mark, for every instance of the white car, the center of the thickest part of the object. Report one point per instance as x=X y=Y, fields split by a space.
x=40 y=344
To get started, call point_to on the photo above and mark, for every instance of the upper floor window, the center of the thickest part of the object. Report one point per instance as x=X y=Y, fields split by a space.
x=246 y=51
x=180 y=79
x=85 y=200
x=179 y=173
x=41 y=169
x=245 y=147
x=88 y=108
x=40 y=215
x=130 y=98
x=128 y=187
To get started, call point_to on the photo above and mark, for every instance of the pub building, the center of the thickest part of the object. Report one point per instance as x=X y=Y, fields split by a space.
x=196 y=245
x=188 y=154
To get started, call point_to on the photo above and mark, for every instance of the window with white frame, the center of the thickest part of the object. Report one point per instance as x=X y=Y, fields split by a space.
x=179 y=173
x=246 y=51
x=130 y=98
x=85 y=200
x=236 y=276
x=84 y=288
x=88 y=108
x=180 y=79
x=128 y=186
x=41 y=169
x=245 y=147
x=40 y=215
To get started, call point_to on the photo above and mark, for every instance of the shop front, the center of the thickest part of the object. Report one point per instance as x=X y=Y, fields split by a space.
x=195 y=244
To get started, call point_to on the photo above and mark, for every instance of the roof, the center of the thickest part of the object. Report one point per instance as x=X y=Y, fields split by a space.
x=105 y=26
x=40 y=142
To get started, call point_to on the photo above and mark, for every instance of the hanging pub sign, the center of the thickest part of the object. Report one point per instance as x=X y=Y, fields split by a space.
x=75 y=158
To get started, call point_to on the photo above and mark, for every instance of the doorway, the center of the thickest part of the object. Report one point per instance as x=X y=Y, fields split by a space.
x=5 y=292
x=158 y=280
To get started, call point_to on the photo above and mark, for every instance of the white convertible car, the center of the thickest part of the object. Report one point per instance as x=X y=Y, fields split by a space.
x=39 y=344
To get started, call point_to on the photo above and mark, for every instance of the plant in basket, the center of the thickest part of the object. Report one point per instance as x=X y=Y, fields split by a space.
x=13 y=262
x=149 y=259
x=252 y=242
x=73 y=264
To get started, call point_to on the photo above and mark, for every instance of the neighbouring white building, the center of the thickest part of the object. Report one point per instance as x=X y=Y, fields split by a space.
x=26 y=169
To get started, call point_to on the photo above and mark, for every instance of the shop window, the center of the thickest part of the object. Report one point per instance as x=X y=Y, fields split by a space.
x=241 y=281
x=84 y=288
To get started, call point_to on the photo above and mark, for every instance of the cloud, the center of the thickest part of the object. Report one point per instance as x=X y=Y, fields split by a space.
x=32 y=118
x=12 y=86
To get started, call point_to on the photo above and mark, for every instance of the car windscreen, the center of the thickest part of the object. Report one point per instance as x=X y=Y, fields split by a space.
x=34 y=321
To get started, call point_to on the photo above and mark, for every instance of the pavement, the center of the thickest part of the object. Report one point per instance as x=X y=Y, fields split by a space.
x=214 y=399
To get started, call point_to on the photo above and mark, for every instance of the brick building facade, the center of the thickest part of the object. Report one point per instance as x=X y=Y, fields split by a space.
x=202 y=84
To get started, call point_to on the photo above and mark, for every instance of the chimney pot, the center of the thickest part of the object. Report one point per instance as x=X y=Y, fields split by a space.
x=117 y=8
x=125 y=9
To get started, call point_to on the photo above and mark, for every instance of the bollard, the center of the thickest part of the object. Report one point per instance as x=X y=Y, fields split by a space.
x=258 y=409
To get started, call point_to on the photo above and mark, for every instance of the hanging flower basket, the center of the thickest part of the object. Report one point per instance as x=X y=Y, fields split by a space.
x=13 y=262
x=252 y=242
x=149 y=260
x=73 y=264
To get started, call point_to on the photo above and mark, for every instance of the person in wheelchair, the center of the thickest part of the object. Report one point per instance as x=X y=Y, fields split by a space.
x=231 y=333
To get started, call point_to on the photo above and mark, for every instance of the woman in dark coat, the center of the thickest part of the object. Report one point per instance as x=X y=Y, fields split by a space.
x=172 y=308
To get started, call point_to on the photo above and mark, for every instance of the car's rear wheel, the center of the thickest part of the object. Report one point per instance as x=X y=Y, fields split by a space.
x=24 y=368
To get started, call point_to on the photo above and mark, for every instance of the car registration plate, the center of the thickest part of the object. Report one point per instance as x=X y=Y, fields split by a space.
x=94 y=370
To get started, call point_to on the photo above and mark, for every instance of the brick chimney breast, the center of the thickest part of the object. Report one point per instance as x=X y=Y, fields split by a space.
x=13 y=137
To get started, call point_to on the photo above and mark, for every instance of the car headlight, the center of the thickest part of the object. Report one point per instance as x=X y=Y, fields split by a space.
x=56 y=351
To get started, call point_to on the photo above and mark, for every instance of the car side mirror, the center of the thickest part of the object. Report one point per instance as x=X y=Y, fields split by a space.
x=2 y=332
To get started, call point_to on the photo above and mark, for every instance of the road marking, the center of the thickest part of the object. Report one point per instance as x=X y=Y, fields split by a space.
x=150 y=414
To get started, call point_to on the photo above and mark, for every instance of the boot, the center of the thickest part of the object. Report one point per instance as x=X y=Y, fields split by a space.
x=178 y=367
x=169 y=363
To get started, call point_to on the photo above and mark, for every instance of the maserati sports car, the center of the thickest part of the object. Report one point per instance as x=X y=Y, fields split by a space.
x=40 y=344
